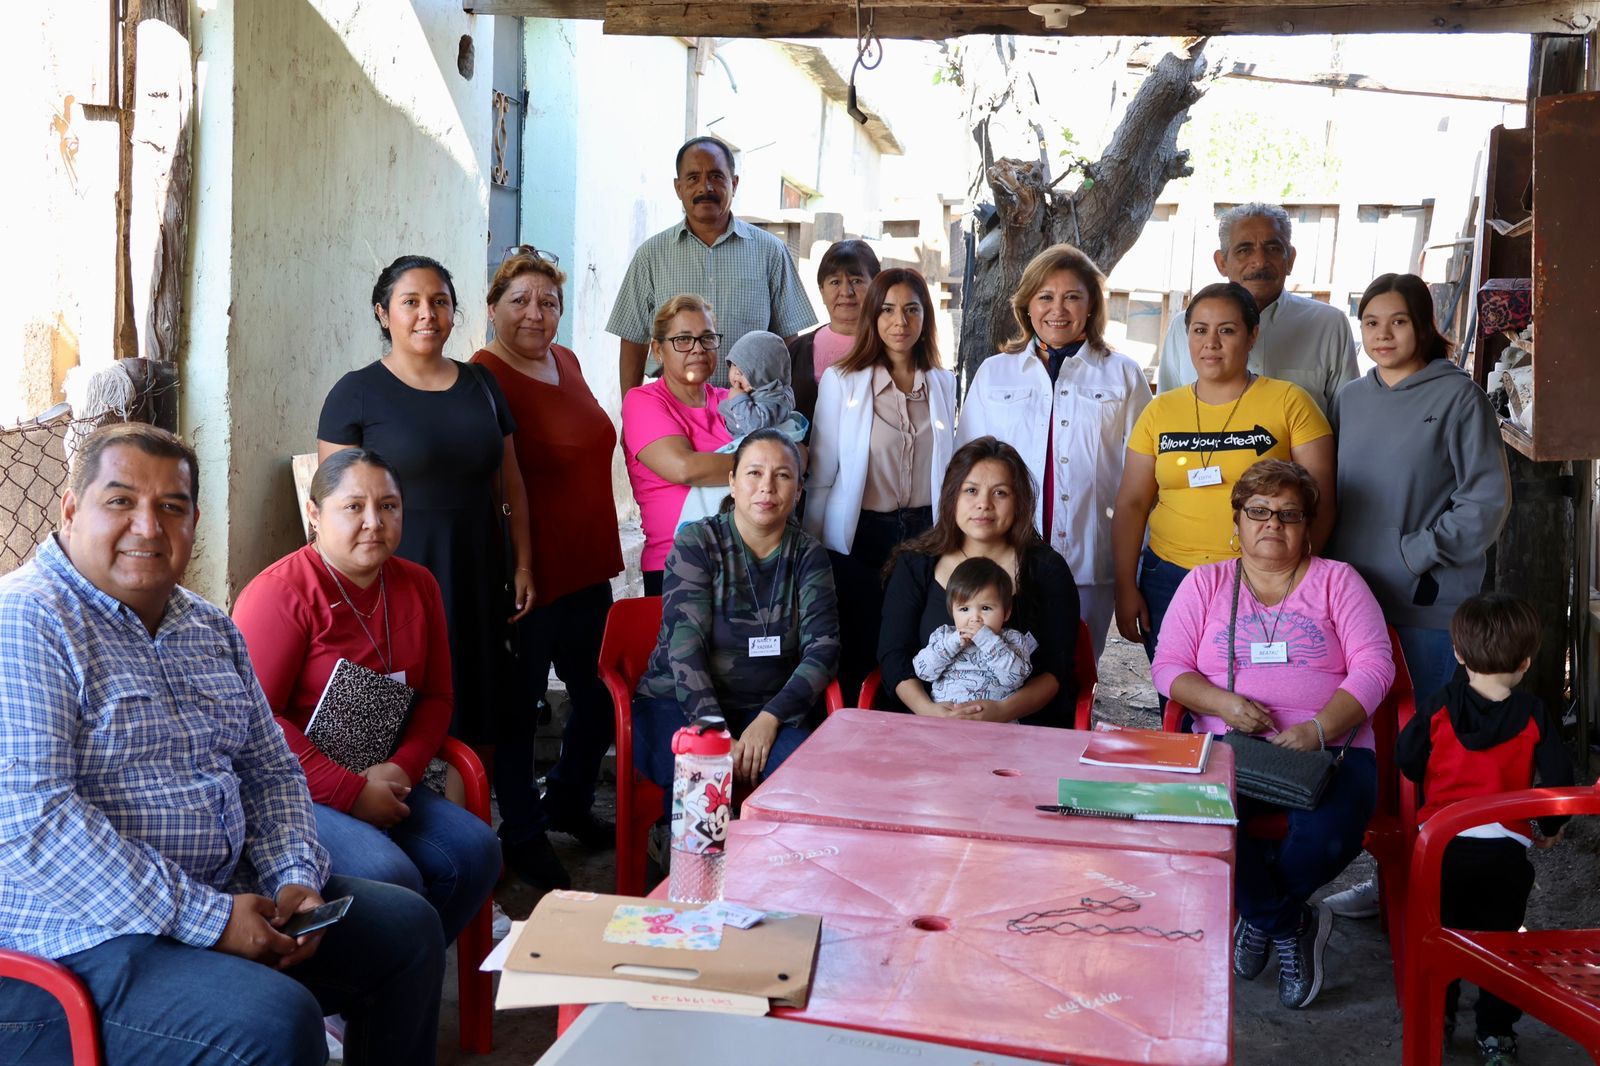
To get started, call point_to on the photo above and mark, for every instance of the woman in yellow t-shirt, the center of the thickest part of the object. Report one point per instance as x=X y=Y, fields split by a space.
x=1190 y=446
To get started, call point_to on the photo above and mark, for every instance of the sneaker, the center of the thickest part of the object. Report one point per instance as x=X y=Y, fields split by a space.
x=1250 y=946
x=1498 y=1050
x=1358 y=901
x=499 y=923
x=536 y=862
x=595 y=834
x=1300 y=958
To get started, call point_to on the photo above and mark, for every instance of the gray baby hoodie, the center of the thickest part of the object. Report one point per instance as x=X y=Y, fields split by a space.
x=1423 y=489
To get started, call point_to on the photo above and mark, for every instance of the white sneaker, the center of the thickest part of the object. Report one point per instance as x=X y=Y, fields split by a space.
x=501 y=924
x=1357 y=901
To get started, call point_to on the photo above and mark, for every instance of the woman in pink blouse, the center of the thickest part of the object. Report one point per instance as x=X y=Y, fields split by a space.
x=671 y=428
x=1311 y=661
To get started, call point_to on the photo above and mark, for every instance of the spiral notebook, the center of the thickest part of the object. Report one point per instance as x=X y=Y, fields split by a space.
x=1177 y=801
x=359 y=717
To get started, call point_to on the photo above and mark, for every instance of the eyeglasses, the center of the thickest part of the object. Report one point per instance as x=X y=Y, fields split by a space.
x=527 y=249
x=1289 y=516
x=685 y=342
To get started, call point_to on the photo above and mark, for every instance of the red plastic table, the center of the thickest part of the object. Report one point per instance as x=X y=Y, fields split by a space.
x=915 y=941
x=911 y=774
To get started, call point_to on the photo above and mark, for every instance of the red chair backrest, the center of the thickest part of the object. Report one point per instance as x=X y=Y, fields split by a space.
x=632 y=629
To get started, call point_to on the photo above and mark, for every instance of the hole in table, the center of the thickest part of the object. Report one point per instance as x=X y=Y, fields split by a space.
x=1006 y=773
x=930 y=923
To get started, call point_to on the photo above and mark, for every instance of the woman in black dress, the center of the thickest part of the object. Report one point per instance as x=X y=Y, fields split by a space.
x=447 y=429
x=985 y=509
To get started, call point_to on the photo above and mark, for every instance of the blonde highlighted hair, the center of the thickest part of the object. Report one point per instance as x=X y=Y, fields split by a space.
x=525 y=261
x=1055 y=258
x=676 y=306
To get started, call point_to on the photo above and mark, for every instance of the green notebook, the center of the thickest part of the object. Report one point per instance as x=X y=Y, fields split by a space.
x=1166 y=801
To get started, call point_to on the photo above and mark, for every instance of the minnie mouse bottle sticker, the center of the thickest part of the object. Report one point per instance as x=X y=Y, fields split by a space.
x=702 y=804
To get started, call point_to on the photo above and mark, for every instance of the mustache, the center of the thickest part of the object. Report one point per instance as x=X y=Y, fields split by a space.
x=1264 y=274
x=708 y=198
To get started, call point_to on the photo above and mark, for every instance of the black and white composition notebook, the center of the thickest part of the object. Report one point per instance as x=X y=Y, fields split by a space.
x=359 y=717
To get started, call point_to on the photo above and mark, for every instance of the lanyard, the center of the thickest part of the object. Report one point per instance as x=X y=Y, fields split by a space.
x=1205 y=457
x=1276 y=615
x=755 y=598
x=383 y=598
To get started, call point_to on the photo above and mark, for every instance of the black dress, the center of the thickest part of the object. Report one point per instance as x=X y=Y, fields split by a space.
x=447 y=447
x=1046 y=605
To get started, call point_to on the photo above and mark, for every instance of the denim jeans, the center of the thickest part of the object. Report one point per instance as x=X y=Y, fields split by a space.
x=444 y=853
x=1430 y=657
x=1158 y=583
x=161 y=1001
x=565 y=634
x=654 y=722
x=1273 y=879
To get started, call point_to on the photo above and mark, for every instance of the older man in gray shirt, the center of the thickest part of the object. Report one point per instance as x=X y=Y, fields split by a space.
x=1302 y=340
x=742 y=270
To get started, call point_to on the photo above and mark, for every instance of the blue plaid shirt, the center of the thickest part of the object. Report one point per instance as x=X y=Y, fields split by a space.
x=142 y=779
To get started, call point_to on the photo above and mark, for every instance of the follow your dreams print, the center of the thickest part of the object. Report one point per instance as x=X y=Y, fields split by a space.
x=1258 y=438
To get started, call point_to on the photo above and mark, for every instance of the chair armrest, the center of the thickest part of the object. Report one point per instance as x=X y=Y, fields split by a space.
x=833 y=697
x=468 y=765
x=1172 y=717
x=869 y=688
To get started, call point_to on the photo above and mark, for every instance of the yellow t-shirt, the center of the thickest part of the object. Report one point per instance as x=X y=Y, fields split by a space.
x=1190 y=526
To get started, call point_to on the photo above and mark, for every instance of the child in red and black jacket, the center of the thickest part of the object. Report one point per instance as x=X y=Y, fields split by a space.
x=1477 y=737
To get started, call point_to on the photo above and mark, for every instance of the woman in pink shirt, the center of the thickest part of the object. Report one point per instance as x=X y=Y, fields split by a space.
x=1310 y=662
x=671 y=427
x=843 y=274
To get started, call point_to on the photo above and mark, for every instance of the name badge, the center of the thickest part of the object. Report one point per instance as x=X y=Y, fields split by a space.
x=1269 y=651
x=765 y=647
x=398 y=675
x=1205 y=475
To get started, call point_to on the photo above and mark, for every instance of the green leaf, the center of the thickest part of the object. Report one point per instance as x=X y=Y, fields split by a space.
x=938 y=76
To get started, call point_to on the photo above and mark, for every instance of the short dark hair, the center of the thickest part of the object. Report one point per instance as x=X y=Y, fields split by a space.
x=848 y=257
x=703 y=141
x=1226 y=290
x=383 y=289
x=152 y=440
x=1494 y=632
x=1268 y=477
x=1431 y=344
x=972 y=577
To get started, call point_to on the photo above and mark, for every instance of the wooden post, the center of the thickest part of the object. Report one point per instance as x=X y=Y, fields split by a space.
x=1533 y=559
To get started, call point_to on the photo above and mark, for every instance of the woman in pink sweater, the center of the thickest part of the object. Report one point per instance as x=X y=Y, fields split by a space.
x=1311 y=661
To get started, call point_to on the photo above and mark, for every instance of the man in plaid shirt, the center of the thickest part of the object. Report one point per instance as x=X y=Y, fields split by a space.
x=155 y=829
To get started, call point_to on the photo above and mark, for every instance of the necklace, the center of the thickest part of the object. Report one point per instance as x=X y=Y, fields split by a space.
x=383 y=601
x=1205 y=456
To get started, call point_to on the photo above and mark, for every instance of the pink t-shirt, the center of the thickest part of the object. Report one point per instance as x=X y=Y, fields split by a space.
x=649 y=413
x=1331 y=623
x=828 y=348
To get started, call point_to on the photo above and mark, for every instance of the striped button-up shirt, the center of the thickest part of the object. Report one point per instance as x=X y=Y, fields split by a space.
x=746 y=275
x=142 y=779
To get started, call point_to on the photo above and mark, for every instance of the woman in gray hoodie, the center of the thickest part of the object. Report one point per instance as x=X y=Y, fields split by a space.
x=1423 y=487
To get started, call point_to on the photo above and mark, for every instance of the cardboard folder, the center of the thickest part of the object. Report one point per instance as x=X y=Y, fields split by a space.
x=775 y=958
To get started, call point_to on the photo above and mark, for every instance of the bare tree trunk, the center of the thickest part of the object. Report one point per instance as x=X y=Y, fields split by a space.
x=161 y=173
x=1102 y=218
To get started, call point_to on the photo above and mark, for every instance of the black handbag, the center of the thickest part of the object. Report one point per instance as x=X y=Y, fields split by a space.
x=1266 y=772
x=508 y=553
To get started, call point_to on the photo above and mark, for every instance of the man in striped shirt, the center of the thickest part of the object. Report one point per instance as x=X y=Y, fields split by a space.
x=743 y=271
x=155 y=830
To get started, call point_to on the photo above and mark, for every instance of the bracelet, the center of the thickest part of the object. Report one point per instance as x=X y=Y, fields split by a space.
x=522 y=570
x=1322 y=738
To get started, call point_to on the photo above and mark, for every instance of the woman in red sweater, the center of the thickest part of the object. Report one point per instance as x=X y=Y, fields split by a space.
x=347 y=596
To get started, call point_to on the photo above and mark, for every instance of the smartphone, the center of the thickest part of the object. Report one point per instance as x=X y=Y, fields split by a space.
x=316 y=918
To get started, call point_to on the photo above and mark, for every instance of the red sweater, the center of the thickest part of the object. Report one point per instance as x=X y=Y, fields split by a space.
x=297 y=627
x=565 y=443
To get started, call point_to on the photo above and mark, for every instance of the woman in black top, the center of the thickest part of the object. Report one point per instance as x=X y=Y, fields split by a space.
x=447 y=429
x=985 y=509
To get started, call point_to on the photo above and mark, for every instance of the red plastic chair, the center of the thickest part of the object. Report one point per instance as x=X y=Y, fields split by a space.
x=475 y=987
x=1551 y=974
x=1084 y=669
x=1393 y=824
x=83 y=1021
x=632 y=630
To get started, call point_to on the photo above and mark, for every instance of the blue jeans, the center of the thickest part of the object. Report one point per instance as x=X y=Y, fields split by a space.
x=1274 y=878
x=1158 y=583
x=1430 y=657
x=165 y=1002
x=565 y=634
x=443 y=853
x=654 y=722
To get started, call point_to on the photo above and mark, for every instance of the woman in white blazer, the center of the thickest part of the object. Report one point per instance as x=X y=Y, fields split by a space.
x=883 y=434
x=1067 y=403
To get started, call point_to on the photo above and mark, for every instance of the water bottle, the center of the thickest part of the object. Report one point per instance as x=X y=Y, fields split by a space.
x=702 y=805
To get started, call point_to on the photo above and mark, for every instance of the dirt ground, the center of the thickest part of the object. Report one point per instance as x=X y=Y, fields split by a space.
x=1354 y=1020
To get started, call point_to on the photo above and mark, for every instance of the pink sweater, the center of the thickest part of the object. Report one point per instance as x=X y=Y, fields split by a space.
x=1333 y=627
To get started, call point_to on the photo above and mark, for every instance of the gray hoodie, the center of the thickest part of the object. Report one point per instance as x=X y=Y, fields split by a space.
x=1423 y=489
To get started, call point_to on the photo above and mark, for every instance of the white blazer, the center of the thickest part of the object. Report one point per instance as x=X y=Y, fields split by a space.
x=1098 y=396
x=841 y=438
